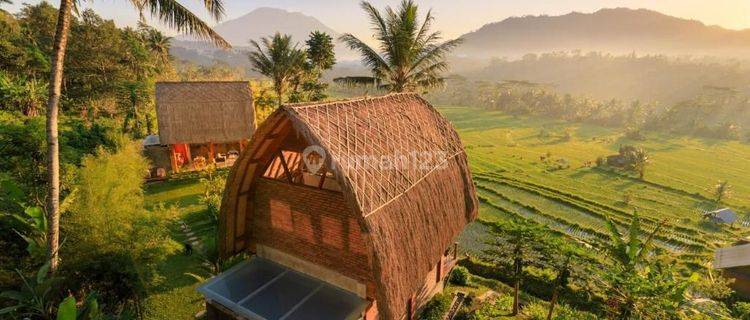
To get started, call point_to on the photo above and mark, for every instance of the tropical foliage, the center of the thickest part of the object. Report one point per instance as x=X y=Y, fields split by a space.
x=294 y=69
x=410 y=57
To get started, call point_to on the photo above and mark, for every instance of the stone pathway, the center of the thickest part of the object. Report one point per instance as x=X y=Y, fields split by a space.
x=190 y=236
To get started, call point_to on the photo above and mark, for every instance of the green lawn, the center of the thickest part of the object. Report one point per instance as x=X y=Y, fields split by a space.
x=505 y=156
x=176 y=297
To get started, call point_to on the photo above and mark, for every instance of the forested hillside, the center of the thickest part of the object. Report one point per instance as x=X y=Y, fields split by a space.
x=648 y=78
x=617 y=30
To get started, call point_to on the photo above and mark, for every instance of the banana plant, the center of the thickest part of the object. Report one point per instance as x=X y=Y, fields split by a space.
x=68 y=309
x=33 y=297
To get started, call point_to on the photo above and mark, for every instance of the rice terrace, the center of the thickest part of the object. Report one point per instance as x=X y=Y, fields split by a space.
x=504 y=154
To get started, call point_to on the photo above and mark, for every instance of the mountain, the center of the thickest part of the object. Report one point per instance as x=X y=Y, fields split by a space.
x=618 y=30
x=261 y=22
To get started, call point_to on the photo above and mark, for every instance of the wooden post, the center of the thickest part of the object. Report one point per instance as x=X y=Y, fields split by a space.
x=439 y=270
x=211 y=152
x=187 y=154
x=286 y=168
x=455 y=250
x=173 y=158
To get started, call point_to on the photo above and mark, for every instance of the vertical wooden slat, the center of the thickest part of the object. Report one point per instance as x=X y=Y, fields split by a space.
x=173 y=159
x=187 y=153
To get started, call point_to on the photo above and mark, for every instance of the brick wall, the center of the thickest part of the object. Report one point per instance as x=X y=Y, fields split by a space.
x=314 y=225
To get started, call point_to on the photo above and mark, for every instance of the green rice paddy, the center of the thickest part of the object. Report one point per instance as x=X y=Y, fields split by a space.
x=514 y=162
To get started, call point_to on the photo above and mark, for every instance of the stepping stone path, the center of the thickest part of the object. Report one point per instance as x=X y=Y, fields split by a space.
x=190 y=236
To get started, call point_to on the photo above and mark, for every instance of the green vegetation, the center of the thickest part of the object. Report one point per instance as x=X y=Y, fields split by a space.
x=410 y=57
x=290 y=67
x=718 y=113
x=583 y=205
x=437 y=307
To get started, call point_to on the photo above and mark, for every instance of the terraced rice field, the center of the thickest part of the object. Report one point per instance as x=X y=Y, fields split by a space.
x=512 y=160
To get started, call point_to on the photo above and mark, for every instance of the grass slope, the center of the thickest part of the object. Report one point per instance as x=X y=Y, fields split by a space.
x=176 y=297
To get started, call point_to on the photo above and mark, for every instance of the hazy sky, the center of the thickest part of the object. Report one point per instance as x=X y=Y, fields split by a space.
x=454 y=17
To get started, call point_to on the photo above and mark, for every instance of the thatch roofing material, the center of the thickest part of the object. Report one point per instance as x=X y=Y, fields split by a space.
x=201 y=112
x=410 y=213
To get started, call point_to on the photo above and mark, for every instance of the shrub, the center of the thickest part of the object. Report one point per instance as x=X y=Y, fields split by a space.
x=108 y=215
x=491 y=310
x=436 y=308
x=213 y=191
x=460 y=276
x=741 y=310
x=113 y=276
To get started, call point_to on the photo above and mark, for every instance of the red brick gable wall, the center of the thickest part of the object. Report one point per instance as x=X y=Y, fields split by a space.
x=312 y=224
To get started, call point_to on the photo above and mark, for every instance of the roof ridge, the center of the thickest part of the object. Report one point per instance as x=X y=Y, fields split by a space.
x=300 y=105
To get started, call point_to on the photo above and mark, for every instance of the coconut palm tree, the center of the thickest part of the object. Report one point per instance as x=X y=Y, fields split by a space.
x=409 y=56
x=157 y=43
x=279 y=60
x=169 y=12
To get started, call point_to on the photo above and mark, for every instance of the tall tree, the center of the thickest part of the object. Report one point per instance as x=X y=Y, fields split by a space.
x=410 y=57
x=157 y=43
x=53 y=148
x=279 y=60
x=170 y=12
x=320 y=57
x=320 y=52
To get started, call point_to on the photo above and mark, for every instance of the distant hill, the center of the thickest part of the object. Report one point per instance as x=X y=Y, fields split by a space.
x=617 y=30
x=261 y=22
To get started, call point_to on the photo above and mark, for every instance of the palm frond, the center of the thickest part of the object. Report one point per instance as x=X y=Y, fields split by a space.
x=380 y=26
x=432 y=54
x=370 y=57
x=215 y=8
x=178 y=17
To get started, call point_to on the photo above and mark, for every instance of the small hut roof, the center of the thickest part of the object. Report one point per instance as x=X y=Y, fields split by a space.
x=412 y=205
x=726 y=215
x=200 y=112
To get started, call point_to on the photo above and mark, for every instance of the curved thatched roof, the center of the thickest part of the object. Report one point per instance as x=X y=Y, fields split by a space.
x=410 y=212
x=200 y=112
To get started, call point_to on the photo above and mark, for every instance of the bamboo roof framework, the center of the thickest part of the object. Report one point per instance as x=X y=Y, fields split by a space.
x=207 y=111
x=409 y=213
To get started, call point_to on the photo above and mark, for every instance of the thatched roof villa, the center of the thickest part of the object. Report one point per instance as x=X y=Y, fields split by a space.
x=351 y=210
x=204 y=122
